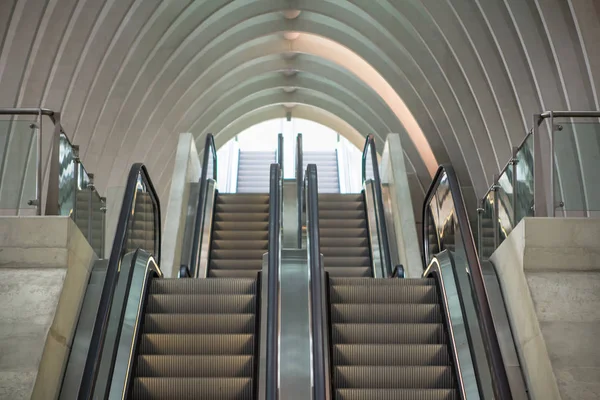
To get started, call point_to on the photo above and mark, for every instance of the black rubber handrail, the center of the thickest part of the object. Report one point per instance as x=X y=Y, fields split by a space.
x=370 y=151
x=209 y=150
x=94 y=356
x=500 y=383
x=274 y=256
x=320 y=367
x=299 y=184
x=280 y=151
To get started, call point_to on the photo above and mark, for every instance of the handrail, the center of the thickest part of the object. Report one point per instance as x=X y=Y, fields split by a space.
x=92 y=363
x=280 y=151
x=299 y=184
x=490 y=338
x=384 y=240
x=209 y=149
x=318 y=328
x=274 y=257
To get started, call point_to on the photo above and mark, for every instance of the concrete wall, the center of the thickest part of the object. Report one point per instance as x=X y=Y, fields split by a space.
x=187 y=169
x=549 y=269
x=45 y=264
x=393 y=173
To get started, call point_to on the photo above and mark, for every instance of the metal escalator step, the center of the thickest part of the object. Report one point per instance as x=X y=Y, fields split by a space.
x=343 y=233
x=233 y=273
x=200 y=303
x=241 y=226
x=332 y=261
x=199 y=323
x=340 y=197
x=344 y=242
x=203 y=286
x=196 y=344
x=390 y=354
x=192 y=388
x=396 y=394
x=242 y=208
x=239 y=244
x=241 y=217
x=341 y=214
x=381 y=282
x=341 y=205
x=237 y=264
x=382 y=294
x=348 y=251
x=195 y=366
x=353 y=272
x=386 y=313
x=242 y=199
x=326 y=223
x=261 y=234
x=388 y=333
x=405 y=377
x=237 y=254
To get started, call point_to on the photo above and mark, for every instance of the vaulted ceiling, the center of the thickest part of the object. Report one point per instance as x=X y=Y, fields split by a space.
x=458 y=79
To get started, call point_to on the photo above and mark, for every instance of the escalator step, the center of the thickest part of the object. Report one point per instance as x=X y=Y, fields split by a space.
x=233 y=273
x=358 y=214
x=405 y=377
x=196 y=344
x=340 y=197
x=192 y=388
x=238 y=264
x=348 y=251
x=242 y=198
x=355 y=272
x=200 y=303
x=194 y=366
x=240 y=244
x=203 y=286
x=241 y=217
x=242 y=208
x=241 y=226
x=386 y=313
x=341 y=205
x=199 y=323
x=261 y=234
x=341 y=224
x=381 y=282
x=343 y=233
x=390 y=354
x=344 y=242
x=345 y=262
x=388 y=333
x=383 y=294
x=237 y=254
x=396 y=394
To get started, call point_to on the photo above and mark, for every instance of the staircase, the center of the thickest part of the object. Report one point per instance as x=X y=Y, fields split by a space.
x=198 y=340
x=240 y=235
x=327 y=169
x=344 y=235
x=253 y=171
x=389 y=340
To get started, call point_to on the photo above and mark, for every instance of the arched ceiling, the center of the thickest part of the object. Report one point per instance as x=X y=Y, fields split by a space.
x=458 y=79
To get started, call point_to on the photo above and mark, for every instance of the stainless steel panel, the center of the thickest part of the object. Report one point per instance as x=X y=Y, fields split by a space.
x=262 y=330
x=290 y=214
x=389 y=218
x=207 y=221
x=376 y=255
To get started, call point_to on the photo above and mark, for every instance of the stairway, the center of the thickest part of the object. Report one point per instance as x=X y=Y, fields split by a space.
x=327 y=169
x=344 y=235
x=197 y=340
x=240 y=235
x=253 y=171
x=389 y=340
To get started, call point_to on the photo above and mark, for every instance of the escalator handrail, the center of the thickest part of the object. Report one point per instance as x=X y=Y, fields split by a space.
x=280 y=150
x=488 y=330
x=299 y=184
x=320 y=367
x=274 y=257
x=90 y=371
x=209 y=150
x=370 y=150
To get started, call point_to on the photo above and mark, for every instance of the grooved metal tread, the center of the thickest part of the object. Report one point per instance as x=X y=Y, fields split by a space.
x=390 y=354
x=203 y=286
x=194 y=366
x=381 y=282
x=386 y=313
x=396 y=394
x=383 y=294
x=200 y=303
x=394 y=377
x=192 y=388
x=200 y=344
x=388 y=333
x=199 y=323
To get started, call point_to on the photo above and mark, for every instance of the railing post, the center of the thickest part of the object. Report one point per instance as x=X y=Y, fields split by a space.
x=495 y=222
x=513 y=166
x=539 y=194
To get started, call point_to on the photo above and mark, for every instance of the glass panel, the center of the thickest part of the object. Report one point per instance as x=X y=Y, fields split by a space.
x=576 y=160
x=504 y=196
x=18 y=163
x=524 y=180
x=96 y=237
x=486 y=226
x=140 y=233
x=67 y=186
x=446 y=215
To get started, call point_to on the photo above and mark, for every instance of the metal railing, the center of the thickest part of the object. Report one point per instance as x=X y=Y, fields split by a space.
x=444 y=207
x=210 y=151
x=319 y=325
x=274 y=257
x=138 y=181
x=527 y=185
x=280 y=151
x=370 y=152
x=299 y=184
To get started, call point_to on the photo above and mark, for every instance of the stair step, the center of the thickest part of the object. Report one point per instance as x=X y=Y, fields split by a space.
x=241 y=217
x=229 y=254
x=325 y=223
x=377 y=377
x=344 y=242
x=343 y=233
x=196 y=344
x=201 y=303
x=352 y=272
x=254 y=264
x=241 y=226
x=235 y=198
x=340 y=197
x=199 y=323
x=396 y=394
x=233 y=273
x=242 y=208
x=195 y=366
x=381 y=282
x=386 y=313
x=260 y=234
x=192 y=388
x=388 y=334
x=383 y=294
x=348 y=251
x=391 y=354
x=341 y=205
x=240 y=244
x=203 y=286
x=341 y=214
x=329 y=261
